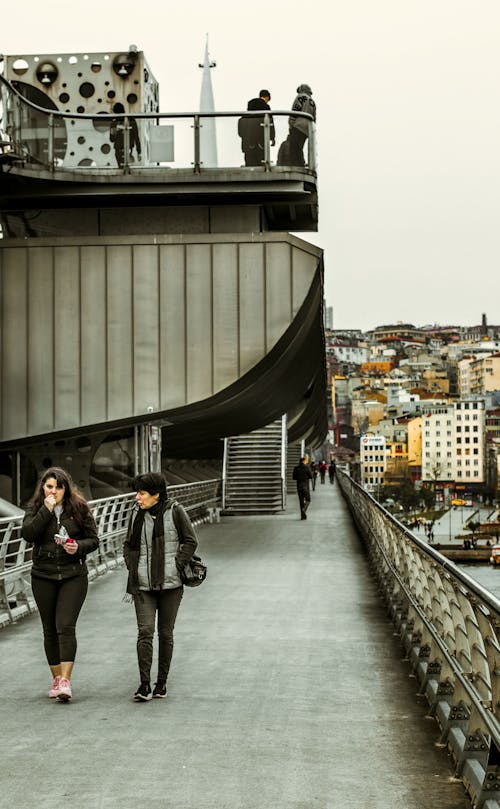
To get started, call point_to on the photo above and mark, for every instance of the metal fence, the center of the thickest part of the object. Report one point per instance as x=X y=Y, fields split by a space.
x=449 y=627
x=201 y=500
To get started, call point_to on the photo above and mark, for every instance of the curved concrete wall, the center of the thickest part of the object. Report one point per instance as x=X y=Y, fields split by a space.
x=98 y=330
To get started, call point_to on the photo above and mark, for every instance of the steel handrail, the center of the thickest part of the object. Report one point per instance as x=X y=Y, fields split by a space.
x=201 y=500
x=156 y=117
x=450 y=626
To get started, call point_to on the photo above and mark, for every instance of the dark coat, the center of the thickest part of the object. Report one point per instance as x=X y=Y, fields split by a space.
x=302 y=474
x=250 y=128
x=50 y=561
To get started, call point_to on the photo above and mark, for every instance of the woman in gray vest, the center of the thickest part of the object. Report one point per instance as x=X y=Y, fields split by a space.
x=160 y=540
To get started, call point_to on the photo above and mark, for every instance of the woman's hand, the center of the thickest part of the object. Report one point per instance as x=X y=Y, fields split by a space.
x=70 y=546
x=50 y=502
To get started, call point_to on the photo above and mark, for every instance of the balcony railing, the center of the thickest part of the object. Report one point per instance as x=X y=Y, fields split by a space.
x=53 y=141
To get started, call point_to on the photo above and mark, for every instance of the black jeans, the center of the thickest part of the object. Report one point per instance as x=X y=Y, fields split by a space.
x=59 y=604
x=149 y=602
x=304 y=499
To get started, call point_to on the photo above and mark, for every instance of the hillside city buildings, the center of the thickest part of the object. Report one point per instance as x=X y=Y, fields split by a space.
x=418 y=404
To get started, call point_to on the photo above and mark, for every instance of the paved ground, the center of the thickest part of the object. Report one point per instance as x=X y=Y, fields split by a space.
x=287 y=690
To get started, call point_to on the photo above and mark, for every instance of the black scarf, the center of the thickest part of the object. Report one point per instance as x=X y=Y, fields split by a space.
x=158 y=545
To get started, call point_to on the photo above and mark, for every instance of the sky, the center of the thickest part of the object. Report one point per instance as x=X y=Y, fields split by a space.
x=408 y=127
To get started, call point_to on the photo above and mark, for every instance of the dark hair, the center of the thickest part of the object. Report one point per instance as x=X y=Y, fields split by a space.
x=74 y=503
x=151 y=482
x=265 y=93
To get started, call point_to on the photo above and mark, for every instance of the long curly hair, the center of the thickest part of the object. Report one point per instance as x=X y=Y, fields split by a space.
x=74 y=503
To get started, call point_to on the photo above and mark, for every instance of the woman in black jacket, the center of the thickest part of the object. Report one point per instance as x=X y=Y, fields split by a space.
x=59 y=523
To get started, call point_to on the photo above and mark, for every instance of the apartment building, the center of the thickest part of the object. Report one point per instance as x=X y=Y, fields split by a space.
x=437 y=444
x=469 y=445
x=372 y=461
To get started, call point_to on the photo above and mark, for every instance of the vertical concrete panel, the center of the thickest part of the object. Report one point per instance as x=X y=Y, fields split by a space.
x=67 y=337
x=226 y=320
x=14 y=340
x=304 y=266
x=41 y=340
x=278 y=291
x=252 y=304
x=93 y=334
x=173 y=350
x=119 y=337
x=199 y=321
x=146 y=328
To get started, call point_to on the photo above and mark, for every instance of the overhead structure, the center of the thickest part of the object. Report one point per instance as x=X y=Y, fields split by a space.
x=156 y=299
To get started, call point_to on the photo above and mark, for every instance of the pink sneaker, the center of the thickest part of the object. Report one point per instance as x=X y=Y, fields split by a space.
x=64 y=691
x=54 y=691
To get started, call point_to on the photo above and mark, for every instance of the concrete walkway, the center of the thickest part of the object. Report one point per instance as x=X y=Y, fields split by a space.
x=287 y=689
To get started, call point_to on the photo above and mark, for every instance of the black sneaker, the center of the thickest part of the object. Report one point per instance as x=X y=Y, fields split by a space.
x=143 y=693
x=160 y=690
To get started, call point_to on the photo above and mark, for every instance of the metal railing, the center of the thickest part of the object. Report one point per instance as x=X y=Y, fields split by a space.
x=449 y=626
x=51 y=140
x=201 y=500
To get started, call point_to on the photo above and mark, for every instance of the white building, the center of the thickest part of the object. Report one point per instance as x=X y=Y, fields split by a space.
x=453 y=443
x=372 y=459
x=469 y=455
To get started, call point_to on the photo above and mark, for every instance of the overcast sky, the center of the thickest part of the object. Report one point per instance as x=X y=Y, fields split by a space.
x=407 y=93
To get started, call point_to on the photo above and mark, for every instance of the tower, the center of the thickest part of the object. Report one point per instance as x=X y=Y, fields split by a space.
x=208 y=137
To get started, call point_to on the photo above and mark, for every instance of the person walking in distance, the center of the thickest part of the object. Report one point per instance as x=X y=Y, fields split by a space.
x=160 y=540
x=59 y=524
x=323 y=468
x=314 y=470
x=302 y=475
x=331 y=471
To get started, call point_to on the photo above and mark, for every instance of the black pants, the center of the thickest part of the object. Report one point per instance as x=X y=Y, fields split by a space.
x=254 y=155
x=147 y=604
x=59 y=604
x=304 y=499
x=297 y=140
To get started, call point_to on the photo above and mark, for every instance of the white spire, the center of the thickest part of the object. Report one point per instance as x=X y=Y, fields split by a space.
x=208 y=135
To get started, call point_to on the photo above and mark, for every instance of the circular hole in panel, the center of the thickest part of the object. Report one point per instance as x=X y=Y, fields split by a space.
x=72 y=123
x=87 y=89
x=47 y=73
x=72 y=154
x=132 y=98
x=59 y=59
x=81 y=110
x=86 y=162
x=111 y=94
x=85 y=56
x=36 y=59
x=95 y=67
x=105 y=148
x=81 y=139
x=79 y=75
x=72 y=60
x=99 y=100
x=64 y=98
x=91 y=148
x=102 y=125
x=20 y=67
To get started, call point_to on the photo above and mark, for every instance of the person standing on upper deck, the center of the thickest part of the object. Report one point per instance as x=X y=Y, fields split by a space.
x=299 y=127
x=251 y=130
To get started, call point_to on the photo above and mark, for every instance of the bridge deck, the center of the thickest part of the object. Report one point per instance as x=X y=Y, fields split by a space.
x=287 y=689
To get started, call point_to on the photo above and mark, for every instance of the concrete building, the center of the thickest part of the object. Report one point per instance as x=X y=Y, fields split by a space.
x=372 y=461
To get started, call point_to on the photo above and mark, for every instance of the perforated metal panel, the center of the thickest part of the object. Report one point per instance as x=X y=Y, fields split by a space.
x=84 y=83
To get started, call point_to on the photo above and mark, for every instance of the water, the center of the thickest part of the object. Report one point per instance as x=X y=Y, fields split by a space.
x=487 y=575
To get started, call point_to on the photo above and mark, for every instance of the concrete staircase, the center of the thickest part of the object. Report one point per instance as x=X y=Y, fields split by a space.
x=254 y=466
